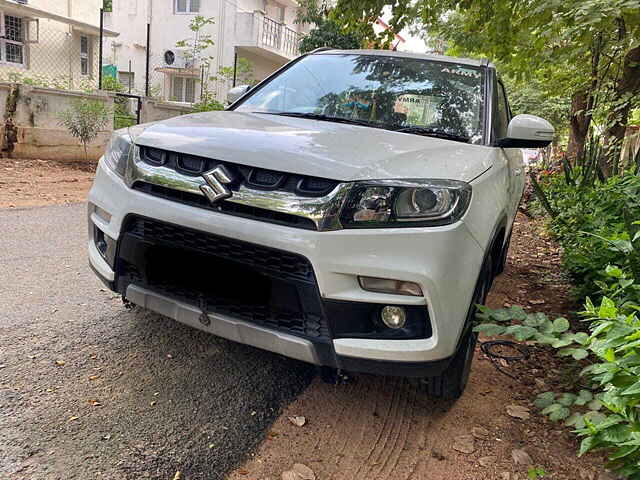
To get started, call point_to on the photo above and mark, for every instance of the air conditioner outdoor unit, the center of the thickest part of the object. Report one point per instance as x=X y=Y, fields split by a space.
x=176 y=59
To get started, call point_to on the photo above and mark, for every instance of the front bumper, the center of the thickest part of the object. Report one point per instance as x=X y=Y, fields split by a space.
x=444 y=261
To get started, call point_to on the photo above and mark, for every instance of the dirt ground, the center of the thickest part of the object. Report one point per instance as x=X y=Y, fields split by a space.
x=382 y=428
x=29 y=183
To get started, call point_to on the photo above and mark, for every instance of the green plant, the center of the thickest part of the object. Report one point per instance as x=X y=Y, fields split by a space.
x=244 y=73
x=592 y=225
x=84 y=120
x=207 y=103
x=535 y=472
x=112 y=84
x=605 y=412
x=195 y=49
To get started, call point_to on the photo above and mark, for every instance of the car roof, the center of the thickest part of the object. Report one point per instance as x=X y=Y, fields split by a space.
x=421 y=56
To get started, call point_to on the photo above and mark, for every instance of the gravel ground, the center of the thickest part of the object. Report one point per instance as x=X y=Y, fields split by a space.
x=89 y=390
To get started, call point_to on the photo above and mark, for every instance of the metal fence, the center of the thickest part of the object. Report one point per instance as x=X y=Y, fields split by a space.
x=47 y=54
x=52 y=53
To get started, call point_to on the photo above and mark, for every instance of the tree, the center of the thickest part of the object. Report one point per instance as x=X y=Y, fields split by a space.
x=195 y=50
x=577 y=47
x=327 y=32
x=84 y=120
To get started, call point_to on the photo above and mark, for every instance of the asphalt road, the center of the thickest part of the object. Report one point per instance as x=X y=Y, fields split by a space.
x=89 y=390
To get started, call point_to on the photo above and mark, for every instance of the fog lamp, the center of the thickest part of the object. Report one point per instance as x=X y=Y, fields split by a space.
x=105 y=245
x=393 y=317
x=386 y=285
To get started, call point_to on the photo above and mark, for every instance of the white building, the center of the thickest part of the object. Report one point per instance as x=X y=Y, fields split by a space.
x=263 y=32
x=50 y=42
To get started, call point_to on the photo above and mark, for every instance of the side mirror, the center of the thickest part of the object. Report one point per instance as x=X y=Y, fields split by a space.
x=236 y=92
x=527 y=131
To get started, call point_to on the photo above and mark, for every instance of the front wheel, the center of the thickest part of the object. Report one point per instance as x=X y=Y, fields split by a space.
x=451 y=383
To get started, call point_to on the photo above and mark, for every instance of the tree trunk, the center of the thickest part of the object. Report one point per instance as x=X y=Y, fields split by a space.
x=582 y=104
x=579 y=126
x=627 y=86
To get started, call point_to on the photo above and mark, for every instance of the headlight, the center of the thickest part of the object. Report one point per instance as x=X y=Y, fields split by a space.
x=405 y=203
x=118 y=151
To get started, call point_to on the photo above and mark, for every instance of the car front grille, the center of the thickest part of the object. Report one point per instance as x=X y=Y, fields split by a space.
x=250 y=177
x=236 y=209
x=258 y=284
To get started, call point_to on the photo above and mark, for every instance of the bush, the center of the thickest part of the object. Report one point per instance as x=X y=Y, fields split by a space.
x=84 y=120
x=593 y=227
x=207 y=103
x=605 y=414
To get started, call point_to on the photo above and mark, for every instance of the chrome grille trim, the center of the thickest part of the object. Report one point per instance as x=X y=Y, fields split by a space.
x=323 y=211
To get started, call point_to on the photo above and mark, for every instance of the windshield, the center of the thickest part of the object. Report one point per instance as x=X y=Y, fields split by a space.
x=414 y=95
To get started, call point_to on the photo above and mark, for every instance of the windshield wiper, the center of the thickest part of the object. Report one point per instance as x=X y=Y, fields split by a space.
x=326 y=118
x=431 y=132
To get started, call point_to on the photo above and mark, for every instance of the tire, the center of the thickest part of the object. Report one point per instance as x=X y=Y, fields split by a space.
x=503 y=255
x=451 y=383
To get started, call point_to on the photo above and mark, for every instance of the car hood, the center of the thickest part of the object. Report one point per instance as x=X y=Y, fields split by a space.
x=316 y=148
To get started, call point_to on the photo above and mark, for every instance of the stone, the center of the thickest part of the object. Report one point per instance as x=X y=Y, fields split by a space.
x=518 y=411
x=464 y=444
x=480 y=432
x=486 y=461
x=521 y=457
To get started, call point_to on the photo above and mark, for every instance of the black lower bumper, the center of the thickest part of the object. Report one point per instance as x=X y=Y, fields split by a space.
x=263 y=286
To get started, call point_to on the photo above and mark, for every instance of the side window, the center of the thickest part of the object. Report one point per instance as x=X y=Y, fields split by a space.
x=187 y=6
x=12 y=42
x=84 y=55
x=502 y=116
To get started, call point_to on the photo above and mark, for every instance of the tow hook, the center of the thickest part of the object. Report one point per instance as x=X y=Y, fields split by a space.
x=334 y=376
x=127 y=304
x=204 y=318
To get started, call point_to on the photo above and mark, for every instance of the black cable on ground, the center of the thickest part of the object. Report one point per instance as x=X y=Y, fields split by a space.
x=521 y=352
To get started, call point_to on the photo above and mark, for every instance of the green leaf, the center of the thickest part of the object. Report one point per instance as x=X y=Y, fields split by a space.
x=632 y=390
x=587 y=444
x=517 y=313
x=581 y=338
x=544 y=399
x=626 y=282
x=577 y=353
x=607 y=308
x=556 y=412
x=594 y=417
x=616 y=433
x=520 y=332
x=567 y=399
x=613 y=271
x=564 y=340
x=560 y=325
x=610 y=355
x=575 y=420
x=490 y=329
x=501 y=315
x=594 y=405
x=623 y=451
x=584 y=397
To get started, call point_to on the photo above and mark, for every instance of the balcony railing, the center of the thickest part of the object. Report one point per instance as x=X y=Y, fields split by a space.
x=255 y=29
x=280 y=37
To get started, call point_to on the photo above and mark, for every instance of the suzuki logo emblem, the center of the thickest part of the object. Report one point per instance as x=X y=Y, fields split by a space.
x=216 y=180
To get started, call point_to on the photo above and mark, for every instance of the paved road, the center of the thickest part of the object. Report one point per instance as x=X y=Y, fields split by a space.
x=89 y=390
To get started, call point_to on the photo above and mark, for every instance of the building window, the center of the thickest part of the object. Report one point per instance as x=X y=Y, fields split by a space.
x=12 y=42
x=183 y=89
x=187 y=6
x=85 y=64
x=127 y=79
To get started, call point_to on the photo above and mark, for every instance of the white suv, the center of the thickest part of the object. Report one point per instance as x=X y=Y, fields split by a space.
x=348 y=211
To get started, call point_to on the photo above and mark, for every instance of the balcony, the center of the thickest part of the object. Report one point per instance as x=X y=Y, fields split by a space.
x=266 y=37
